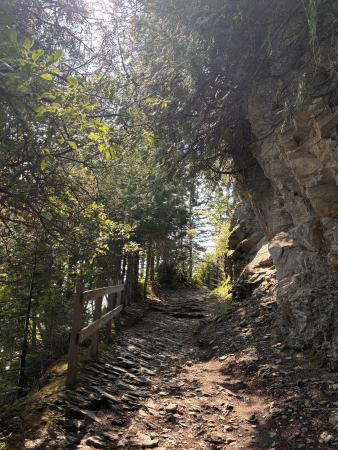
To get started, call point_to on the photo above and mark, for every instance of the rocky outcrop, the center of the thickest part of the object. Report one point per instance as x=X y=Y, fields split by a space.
x=293 y=191
x=244 y=240
x=288 y=173
x=253 y=273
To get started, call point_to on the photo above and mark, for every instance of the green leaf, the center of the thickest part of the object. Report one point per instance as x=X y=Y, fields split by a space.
x=36 y=54
x=27 y=43
x=54 y=57
x=72 y=144
x=73 y=81
x=46 y=76
x=165 y=103
x=108 y=155
x=57 y=55
x=40 y=109
x=94 y=136
x=43 y=164
x=48 y=95
x=103 y=127
x=13 y=36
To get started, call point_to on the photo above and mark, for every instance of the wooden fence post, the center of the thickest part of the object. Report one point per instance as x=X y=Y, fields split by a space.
x=74 y=348
x=79 y=334
x=94 y=348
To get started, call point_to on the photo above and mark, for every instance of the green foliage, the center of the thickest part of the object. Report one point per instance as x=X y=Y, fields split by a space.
x=208 y=272
x=224 y=290
x=83 y=192
x=172 y=274
x=213 y=272
x=189 y=55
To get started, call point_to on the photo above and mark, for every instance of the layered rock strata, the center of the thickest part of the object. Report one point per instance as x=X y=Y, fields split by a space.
x=292 y=188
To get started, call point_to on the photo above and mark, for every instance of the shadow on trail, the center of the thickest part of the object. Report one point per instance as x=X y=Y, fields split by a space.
x=113 y=388
x=299 y=397
x=180 y=332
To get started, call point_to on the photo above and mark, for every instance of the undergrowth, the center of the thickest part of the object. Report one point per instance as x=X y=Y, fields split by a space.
x=224 y=290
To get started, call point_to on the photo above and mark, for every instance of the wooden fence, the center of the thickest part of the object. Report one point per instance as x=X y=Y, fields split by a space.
x=79 y=334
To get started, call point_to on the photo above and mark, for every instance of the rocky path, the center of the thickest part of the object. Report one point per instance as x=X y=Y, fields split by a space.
x=192 y=376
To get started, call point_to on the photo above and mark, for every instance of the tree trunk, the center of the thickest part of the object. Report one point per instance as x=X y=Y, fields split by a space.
x=143 y=260
x=129 y=279
x=124 y=263
x=21 y=379
x=191 y=202
x=148 y=270
x=136 y=274
x=152 y=268
x=34 y=330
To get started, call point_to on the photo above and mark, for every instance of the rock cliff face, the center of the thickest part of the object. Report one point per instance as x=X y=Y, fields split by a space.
x=253 y=273
x=292 y=188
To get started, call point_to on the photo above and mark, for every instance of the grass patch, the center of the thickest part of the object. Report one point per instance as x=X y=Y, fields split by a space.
x=32 y=411
x=224 y=291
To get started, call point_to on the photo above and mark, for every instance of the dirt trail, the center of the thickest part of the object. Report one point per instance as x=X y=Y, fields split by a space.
x=185 y=377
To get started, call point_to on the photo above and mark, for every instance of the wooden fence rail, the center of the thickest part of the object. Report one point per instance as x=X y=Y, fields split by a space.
x=79 y=334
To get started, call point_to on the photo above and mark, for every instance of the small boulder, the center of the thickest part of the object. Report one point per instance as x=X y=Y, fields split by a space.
x=171 y=408
x=325 y=437
x=145 y=441
x=333 y=420
x=96 y=442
